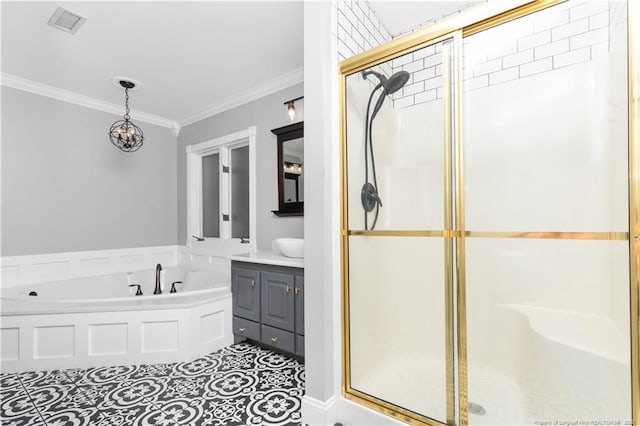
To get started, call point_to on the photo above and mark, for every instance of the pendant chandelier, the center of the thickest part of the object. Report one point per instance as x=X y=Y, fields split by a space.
x=124 y=134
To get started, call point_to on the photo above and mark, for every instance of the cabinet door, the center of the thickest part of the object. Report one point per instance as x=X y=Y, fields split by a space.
x=278 y=300
x=299 y=296
x=245 y=287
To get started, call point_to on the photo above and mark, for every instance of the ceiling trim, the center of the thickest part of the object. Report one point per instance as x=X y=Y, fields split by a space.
x=42 y=89
x=285 y=80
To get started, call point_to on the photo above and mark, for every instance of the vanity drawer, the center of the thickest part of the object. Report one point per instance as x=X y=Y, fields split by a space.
x=278 y=338
x=246 y=328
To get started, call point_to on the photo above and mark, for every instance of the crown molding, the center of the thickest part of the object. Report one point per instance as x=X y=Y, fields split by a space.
x=42 y=89
x=285 y=80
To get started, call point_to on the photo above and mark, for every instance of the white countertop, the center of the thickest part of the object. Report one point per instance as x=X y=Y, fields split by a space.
x=269 y=258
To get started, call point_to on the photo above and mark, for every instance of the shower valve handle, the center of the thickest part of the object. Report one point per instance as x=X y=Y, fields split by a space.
x=369 y=197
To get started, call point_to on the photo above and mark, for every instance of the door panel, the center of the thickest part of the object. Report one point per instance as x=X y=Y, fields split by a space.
x=546 y=220
x=246 y=293
x=278 y=300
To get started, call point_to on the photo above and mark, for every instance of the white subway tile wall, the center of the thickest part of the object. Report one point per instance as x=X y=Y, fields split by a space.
x=359 y=28
x=557 y=37
x=563 y=35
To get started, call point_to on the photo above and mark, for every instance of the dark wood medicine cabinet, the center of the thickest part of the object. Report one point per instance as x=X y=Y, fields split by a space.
x=290 y=169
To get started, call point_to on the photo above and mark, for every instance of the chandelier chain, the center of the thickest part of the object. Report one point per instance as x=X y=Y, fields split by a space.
x=125 y=134
x=126 y=104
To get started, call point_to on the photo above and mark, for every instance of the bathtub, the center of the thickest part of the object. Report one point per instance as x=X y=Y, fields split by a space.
x=117 y=287
x=99 y=321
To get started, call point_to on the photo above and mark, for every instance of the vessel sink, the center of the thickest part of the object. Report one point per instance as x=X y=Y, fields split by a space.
x=291 y=247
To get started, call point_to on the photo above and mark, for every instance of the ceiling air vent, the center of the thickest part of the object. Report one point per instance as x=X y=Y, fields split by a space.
x=66 y=20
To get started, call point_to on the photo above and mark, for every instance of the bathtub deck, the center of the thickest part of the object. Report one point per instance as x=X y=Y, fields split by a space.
x=240 y=384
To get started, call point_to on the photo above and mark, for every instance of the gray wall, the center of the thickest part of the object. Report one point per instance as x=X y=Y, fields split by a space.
x=66 y=188
x=265 y=113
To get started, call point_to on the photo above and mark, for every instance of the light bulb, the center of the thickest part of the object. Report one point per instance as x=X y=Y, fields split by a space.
x=126 y=131
x=291 y=110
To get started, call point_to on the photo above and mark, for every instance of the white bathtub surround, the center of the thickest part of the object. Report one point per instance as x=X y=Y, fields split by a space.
x=84 y=317
x=68 y=325
x=115 y=337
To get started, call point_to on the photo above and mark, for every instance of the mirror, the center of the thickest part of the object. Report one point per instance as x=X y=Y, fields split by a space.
x=290 y=169
x=292 y=160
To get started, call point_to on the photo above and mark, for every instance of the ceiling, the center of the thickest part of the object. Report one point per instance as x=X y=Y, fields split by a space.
x=193 y=59
x=188 y=56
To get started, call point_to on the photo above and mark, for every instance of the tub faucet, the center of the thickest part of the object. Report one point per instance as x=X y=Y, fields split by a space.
x=158 y=290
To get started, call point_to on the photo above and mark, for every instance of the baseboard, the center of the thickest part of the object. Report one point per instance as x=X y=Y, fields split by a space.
x=318 y=413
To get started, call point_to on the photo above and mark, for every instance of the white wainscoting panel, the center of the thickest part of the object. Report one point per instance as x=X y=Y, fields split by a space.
x=49 y=342
x=45 y=270
x=211 y=327
x=159 y=336
x=131 y=260
x=17 y=270
x=10 y=344
x=54 y=341
x=108 y=339
x=87 y=266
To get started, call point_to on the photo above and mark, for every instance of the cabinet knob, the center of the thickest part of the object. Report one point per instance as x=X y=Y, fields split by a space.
x=274 y=339
x=242 y=329
x=253 y=283
x=288 y=289
x=298 y=289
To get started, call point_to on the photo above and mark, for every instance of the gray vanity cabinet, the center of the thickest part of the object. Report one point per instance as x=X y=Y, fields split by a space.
x=268 y=305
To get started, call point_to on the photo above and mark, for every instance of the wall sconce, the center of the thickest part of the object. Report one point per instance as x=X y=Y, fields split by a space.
x=291 y=107
x=124 y=134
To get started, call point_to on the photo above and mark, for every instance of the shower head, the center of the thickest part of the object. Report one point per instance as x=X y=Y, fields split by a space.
x=395 y=82
x=390 y=85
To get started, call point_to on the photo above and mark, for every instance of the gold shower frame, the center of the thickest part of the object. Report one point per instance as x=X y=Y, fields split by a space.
x=469 y=22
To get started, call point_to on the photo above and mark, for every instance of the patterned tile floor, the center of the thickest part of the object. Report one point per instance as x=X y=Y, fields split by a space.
x=239 y=385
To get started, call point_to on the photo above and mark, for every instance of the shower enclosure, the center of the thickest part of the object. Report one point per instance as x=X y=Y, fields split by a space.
x=490 y=218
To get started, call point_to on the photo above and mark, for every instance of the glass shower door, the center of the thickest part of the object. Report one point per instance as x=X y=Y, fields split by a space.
x=546 y=218
x=487 y=255
x=399 y=297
